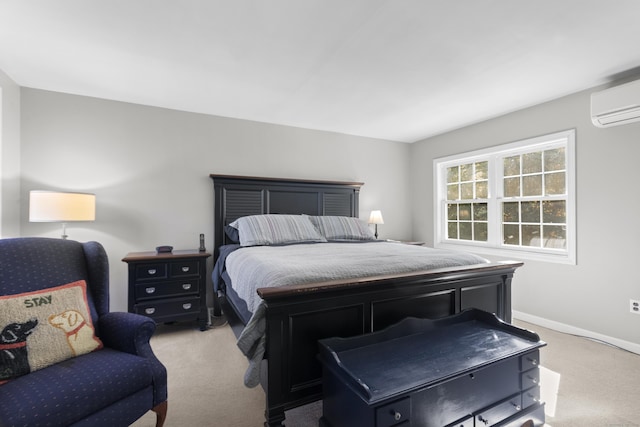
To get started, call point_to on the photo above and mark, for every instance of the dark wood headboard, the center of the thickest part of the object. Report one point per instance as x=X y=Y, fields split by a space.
x=236 y=196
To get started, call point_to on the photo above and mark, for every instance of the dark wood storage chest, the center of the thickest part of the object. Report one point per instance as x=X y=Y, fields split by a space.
x=466 y=370
x=169 y=287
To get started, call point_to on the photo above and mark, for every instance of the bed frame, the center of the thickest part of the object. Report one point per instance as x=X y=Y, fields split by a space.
x=298 y=316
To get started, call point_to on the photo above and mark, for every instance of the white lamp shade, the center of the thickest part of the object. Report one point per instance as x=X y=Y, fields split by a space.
x=376 y=217
x=52 y=206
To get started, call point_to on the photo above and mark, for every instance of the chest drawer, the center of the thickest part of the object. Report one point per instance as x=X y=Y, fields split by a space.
x=530 y=360
x=531 y=397
x=166 y=289
x=394 y=414
x=530 y=378
x=467 y=422
x=499 y=412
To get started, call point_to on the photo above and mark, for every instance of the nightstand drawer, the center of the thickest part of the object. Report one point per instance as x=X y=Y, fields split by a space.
x=165 y=289
x=168 y=307
x=184 y=268
x=151 y=271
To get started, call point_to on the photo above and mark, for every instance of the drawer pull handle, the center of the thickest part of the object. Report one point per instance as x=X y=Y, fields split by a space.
x=396 y=415
x=515 y=405
x=534 y=362
x=186 y=286
x=483 y=420
x=186 y=306
x=152 y=271
x=150 y=310
x=150 y=290
x=533 y=379
x=185 y=269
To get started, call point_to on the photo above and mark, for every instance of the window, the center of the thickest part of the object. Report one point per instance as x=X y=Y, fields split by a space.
x=508 y=200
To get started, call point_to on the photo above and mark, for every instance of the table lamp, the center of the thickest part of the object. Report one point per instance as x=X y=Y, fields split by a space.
x=53 y=206
x=376 y=218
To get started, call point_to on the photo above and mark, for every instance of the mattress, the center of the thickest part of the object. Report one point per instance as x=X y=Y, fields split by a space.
x=244 y=270
x=256 y=267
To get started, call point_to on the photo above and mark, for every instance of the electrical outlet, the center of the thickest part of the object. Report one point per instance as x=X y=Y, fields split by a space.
x=634 y=306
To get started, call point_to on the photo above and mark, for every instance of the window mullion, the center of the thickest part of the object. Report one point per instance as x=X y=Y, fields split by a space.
x=495 y=199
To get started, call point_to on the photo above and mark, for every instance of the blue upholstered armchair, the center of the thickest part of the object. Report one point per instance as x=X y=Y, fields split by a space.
x=117 y=379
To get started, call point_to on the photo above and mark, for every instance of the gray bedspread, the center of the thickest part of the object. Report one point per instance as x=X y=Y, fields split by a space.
x=269 y=266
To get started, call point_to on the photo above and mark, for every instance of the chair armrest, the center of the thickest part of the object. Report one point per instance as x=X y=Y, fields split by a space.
x=128 y=332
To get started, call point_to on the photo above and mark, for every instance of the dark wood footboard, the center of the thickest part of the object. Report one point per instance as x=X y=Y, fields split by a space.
x=298 y=316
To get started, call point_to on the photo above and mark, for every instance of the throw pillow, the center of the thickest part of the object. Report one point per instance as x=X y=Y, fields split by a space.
x=276 y=229
x=44 y=327
x=343 y=228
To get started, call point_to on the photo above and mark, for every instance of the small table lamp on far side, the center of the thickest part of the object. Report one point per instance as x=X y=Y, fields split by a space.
x=376 y=218
x=53 y=206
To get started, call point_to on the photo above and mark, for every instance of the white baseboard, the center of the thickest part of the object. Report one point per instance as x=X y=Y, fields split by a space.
x=568 y=329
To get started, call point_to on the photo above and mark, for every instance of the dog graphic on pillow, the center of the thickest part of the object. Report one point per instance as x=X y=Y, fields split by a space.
x=44 y=327
x=80 y=335
x=14 y=358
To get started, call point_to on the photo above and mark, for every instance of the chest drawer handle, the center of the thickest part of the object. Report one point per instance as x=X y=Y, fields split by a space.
x=533 y=361
x=185 y=269
x=396 y=415
x=152 y=271
x=150 y=290
x=150 y=310
x=186 y=286
x=186 y=306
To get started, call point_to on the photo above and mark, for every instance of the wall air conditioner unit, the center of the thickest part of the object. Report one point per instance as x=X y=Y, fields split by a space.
x=616 y=106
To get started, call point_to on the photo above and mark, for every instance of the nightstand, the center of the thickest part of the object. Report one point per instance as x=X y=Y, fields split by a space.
x=169 y=287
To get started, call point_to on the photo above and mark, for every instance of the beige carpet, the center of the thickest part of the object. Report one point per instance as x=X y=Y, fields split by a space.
x=585 y=383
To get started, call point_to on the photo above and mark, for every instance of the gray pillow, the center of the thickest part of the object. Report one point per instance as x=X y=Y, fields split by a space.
x=342 y=228
x=273 y=229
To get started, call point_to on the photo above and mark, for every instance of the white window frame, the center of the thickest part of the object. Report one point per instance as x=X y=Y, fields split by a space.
x=1 y=156
x=494 y=155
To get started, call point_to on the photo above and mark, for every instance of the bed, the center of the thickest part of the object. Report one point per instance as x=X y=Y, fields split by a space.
x=296 y=315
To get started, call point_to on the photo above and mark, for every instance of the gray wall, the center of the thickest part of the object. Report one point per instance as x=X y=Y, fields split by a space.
x=591 y=297
x=9 y=157
x=149 y=168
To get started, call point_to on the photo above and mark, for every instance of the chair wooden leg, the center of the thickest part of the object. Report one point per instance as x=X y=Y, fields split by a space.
x=161 y=413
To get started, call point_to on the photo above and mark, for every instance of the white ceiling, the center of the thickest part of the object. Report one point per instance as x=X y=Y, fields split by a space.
x=400 y=70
